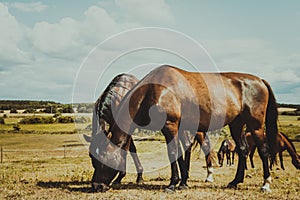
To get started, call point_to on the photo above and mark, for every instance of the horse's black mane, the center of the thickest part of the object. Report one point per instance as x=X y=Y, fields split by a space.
x=103 y=103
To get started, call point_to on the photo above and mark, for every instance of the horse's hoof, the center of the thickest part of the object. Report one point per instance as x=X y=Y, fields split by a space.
x=170 y=189
x=183 y=186
x=266 y=189
x=231 y=186
x=116 y=183
x=140 y=181
x=100 y=187
x=209 y=180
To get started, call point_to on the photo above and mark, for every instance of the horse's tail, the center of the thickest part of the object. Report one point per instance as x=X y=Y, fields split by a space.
x=271 y=122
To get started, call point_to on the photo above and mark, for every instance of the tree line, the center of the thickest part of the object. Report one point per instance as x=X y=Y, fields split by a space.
x=44 y=107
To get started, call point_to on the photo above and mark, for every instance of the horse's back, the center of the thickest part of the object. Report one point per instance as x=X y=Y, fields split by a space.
x=199 y=98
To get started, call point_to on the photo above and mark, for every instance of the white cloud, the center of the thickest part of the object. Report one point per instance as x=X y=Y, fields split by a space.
x=147 y=12
x=259 y=57
x=61 y=38
x=29 y=7
x=74 y=38
x=12 y=40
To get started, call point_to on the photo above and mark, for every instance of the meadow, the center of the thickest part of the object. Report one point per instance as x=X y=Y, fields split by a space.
x=43 y=162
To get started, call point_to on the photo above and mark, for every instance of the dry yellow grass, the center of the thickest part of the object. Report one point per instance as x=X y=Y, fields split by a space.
x=35 y=168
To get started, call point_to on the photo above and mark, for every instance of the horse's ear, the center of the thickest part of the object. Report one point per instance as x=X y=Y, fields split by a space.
x=87 y=138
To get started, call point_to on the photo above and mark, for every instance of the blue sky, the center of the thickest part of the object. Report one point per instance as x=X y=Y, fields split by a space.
x=43 y=43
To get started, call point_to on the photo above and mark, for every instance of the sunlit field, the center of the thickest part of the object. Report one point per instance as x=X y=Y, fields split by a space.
x=45 y=165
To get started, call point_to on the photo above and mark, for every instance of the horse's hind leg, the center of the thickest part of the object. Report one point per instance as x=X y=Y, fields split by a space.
x=263 y=151
x=281 y=160
x=228 y=158
x=137 y=163
x=203 y=140
x=236 y=129
x=251 y=156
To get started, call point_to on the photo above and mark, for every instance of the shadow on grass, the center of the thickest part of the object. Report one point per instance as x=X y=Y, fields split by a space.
x=85 y=186
x=75 y=186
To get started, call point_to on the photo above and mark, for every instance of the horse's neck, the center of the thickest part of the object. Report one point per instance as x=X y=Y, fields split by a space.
x=120 y=137
x=122 y=126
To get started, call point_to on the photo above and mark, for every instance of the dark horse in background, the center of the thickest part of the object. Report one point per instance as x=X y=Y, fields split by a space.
x=103 y=118
x=168 y=98
x=227 y=147
x=284 y=143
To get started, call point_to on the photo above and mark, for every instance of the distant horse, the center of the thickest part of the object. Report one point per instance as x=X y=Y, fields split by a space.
x=227 y=147
x=284 y=143
x=103 y=116
x=168 y=97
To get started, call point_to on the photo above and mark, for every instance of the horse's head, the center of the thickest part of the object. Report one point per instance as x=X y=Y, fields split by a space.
x=106 y=159
x=296 y=162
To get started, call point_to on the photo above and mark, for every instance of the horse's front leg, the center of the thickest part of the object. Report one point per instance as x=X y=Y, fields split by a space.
x=170 y=133
x=281 y=160
x=122 y=173
x=184 y=164
x=119 y=178
x=137 y=163
x=183 y=170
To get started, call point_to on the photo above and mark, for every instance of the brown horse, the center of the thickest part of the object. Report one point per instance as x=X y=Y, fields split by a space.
x=284 y=143
x=227 y=147
x=173 y=100
x=103 y=117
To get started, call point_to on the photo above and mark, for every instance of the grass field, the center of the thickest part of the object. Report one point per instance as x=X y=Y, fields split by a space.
x=57 y=166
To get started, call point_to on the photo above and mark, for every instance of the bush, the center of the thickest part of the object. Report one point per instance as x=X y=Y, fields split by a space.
x=29 y=110
x=65 y=119
x=2 y=120
x=37 y=120
x=13 y=111
x=56 y=115
x=83 y=120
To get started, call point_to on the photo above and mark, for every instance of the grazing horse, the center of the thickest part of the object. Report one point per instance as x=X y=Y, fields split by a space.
x=168 y=98
x=103 y=115
x=284 y=143
x=227 y=147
